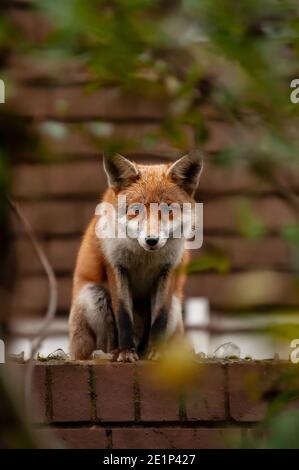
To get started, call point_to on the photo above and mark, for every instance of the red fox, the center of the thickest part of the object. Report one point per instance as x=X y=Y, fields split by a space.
x=127 y=292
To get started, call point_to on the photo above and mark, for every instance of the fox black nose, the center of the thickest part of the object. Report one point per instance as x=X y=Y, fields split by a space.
x=152 y=241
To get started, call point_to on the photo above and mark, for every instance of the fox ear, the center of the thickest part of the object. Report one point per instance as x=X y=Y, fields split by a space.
x=186 y=171
x=120 y=171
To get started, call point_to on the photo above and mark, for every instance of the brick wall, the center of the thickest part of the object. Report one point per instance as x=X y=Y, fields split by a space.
x=60 y=196
x=113 y=405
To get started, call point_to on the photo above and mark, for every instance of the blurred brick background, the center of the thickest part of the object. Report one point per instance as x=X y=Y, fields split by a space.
x=59 y=196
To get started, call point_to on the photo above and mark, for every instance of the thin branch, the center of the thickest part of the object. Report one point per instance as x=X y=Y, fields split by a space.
x=52 y=303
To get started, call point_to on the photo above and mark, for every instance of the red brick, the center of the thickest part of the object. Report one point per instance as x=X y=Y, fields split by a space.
x=221 y=213
x=221 y=135
x=246 y=385
x=134 y=139
x=238 y=179
x=225 y=291
x=24 y=69
x=56 y=217
x=33 y=25
x=42 y=28
x=75 y=102
x=242 y=253
x=30 y=102
x=173 y=438
x=83 y=438
x=60 y=179
x=16 y=375
x=109 y=104
x=219 y=179
x=31 y=181
x=74 y=438
x=23 y=21
x=70 y=393
x=31 y=294
x=205 y=398
x=156 y=403
x=25 y=257
x=267 y=253
x=115 y=391
x=88 y=177
x=75 y=143
x=61 y=253
x=39 y=394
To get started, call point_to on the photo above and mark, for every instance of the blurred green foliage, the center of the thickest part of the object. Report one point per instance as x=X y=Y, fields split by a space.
x=238 y=59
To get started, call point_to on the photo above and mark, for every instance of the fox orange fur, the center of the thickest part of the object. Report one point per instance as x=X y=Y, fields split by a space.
x=127 y=293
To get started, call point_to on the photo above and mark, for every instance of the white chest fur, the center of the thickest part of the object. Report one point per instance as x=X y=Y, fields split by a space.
x=143 y=266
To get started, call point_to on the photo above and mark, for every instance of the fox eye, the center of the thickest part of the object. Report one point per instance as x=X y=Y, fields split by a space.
x=135 y=209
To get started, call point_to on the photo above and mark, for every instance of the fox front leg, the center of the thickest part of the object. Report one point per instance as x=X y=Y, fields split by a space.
x=124 y=318
x=160 y=306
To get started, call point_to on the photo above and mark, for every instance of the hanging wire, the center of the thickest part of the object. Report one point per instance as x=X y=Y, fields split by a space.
x=52 y=303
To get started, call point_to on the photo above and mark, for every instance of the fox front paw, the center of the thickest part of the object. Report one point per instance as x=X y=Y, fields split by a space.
x=127 y=355
x=154 y=355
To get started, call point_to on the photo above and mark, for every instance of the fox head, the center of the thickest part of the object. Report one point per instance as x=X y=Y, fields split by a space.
x=153 y=196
